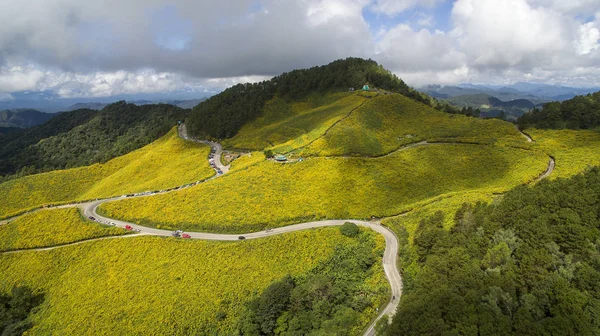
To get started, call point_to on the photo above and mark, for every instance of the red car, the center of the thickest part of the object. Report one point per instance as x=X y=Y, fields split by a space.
x=185 y=235
x=128 y=227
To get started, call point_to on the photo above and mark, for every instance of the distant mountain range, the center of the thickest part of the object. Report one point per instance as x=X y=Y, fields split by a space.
x=49 y=101
x=186 y=104
x=23 y=118
x=514 y=100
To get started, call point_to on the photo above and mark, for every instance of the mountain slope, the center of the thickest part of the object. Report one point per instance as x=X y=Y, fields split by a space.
x=85 y=137
x=166 y=163
x=223 y=115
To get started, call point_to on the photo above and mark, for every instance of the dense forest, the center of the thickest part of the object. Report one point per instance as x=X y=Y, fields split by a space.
x=84 y=137
x=526 y=265
x=15 y=309
x=328 y=301
x=222 y=115
x=581 y=112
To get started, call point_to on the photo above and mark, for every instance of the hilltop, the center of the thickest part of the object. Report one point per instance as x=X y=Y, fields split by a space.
x=223 y=115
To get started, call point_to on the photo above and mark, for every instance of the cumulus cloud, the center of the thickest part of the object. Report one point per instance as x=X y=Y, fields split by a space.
x=100 y=48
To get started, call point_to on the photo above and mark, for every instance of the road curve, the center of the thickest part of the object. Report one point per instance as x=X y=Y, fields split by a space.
x=217 y=148
x=390 y=255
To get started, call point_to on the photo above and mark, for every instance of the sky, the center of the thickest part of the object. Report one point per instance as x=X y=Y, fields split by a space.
x=87 y=49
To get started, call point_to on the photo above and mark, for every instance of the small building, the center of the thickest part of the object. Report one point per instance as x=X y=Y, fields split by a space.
x=365 y=87
x=280 y=158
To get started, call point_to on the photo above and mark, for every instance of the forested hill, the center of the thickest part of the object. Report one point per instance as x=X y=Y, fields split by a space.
x=224 y=114
x=84 y=137
x=581 y=112
x=527 y=265
x=23 y=118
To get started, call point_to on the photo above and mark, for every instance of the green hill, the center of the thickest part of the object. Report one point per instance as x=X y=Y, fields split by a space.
x=581 y=112
x=84 y=137
x=223 y=115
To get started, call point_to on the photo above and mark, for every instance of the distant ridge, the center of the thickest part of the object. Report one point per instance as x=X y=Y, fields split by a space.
x=23 y=118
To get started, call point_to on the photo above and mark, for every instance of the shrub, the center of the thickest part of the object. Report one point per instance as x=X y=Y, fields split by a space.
x=349 y=229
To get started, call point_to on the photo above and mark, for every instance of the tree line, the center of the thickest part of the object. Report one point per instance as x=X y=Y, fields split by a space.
x=527 y=265
x=581 y=112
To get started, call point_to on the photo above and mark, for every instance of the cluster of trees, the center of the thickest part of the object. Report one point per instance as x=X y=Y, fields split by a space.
x=84 y=137
x=328 y=301
x=15 y=309
x=224 y=114
x=581 y=112
x=527 y=265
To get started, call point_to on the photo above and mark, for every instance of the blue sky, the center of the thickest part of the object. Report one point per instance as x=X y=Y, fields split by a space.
x=92 y=49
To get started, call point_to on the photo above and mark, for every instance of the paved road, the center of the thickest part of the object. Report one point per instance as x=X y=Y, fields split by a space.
x=390 y=256
x=217 y=148
x=549 y=170
x=526 y=136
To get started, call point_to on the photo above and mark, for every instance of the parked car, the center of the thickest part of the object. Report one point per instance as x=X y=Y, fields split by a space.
x=128 y=227
x=185 y=235
x=241 y=237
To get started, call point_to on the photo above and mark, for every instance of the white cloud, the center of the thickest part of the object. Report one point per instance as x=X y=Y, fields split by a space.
x=83 y=48
x=505 y=33
x=404 y=49
x=393 y=7
x=589 y=36
x=6 y=96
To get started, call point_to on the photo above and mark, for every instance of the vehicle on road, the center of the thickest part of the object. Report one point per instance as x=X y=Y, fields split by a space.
x=92 y=218
x=241 y=237
x=186 y=236
x=128 y=227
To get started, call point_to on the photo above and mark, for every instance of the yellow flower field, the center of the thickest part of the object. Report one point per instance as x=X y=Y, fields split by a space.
x=167 y=162
x=272 y=194
x=165 y=286
x=49 y=228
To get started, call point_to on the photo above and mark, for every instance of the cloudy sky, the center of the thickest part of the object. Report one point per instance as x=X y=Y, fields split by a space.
x=77 y=48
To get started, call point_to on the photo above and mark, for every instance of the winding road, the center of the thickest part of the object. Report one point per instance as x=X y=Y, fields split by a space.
x=390 y=257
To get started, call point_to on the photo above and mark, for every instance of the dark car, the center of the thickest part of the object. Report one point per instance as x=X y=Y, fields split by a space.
x=241 y=237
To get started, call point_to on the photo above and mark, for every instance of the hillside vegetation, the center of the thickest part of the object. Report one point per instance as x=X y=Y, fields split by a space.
x=581 y=112
x=574 y=151
x=166 y=163
x=49 y=228
x=388 y=122
x=85 y=137
x=164 y=286
x=295 y=123
x=524 y=265
x=223 y=115
x=272 y=194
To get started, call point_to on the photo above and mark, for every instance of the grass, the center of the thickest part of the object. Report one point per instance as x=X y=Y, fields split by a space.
x=288 y=125
x=388 y=122
x=50 y=228
x=167 y=162
x=165 y=286
x=574 y=151
x=272 y=194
